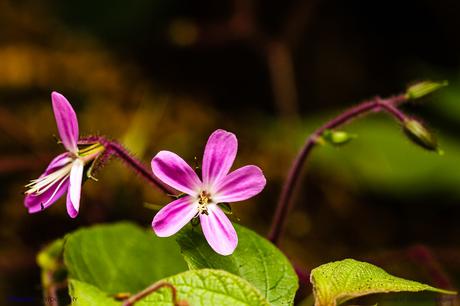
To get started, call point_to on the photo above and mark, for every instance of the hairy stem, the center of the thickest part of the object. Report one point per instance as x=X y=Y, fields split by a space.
x=152 y=288
x=116 y=149
x=284 y=203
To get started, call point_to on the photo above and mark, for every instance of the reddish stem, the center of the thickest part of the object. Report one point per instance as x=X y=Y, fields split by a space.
x=284 y=202
x=302 y=273
x=424 y=256
x=50 y=290
x=118 y=150
x=152 y=288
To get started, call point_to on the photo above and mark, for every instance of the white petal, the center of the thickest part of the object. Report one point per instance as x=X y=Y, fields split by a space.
x=76 y=175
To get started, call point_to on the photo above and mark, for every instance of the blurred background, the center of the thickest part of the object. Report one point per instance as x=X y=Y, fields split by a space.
x=165 y=74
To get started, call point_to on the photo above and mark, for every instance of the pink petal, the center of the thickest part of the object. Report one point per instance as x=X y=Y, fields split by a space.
x=58 y=162
x=218 y=230
x=240 y=185
x=171 y=218
x=219 y=154
x=73 y=196
x=175 y=172
x=34 y=203
x=66 y=121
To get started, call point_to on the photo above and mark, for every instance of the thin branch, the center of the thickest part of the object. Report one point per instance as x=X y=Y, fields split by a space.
x=282 y=75
x=284 y=203
x=156 y=286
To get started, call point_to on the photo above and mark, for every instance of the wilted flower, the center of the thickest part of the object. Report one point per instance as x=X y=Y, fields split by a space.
x=203 y=196
x=65 y=172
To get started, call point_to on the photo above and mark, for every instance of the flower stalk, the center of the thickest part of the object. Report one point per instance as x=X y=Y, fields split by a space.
x=284 y=203
x=113 y=148
x=66 y=172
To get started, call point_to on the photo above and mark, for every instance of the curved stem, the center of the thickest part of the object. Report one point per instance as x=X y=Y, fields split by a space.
x=284 y=202
x=115 y=148
x=158 y=285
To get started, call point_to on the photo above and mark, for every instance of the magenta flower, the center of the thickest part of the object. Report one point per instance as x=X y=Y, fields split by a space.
x=65 y=172
x=202 y=196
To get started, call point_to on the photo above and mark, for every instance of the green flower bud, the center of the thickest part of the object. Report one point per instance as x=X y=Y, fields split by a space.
x=420 y=135
x=423 y=88
x=195 y=222
x=226 y=208
x=336 y=138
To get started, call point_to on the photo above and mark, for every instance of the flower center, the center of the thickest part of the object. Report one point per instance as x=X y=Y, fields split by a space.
x=204 y=198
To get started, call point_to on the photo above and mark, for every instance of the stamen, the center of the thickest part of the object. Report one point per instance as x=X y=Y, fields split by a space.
x=204 y=198
x=42 y=184
x=55 y=191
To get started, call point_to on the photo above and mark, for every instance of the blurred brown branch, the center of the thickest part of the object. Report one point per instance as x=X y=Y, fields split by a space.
x=277 y=50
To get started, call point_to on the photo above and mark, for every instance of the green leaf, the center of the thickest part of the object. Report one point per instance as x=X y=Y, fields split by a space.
x=337 y=282
x=208 y=287
x=50 y=262
x=84 y=294
x=255 y=259
x=120 y=257
x=425 y=298
x=49 y=257
x=199 y=288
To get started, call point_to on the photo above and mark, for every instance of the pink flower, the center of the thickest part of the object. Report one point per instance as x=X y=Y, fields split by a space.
x=202 y=196
x=65 y=172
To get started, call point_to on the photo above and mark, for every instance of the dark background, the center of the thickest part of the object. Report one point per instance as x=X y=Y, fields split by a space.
x=165 y=74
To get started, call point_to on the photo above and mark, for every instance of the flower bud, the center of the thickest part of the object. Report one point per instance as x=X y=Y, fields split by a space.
x=337 y=138
x=121 y=296
x=423 y=88
x=195 y=222
x=226 y=208
x=420 y=135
